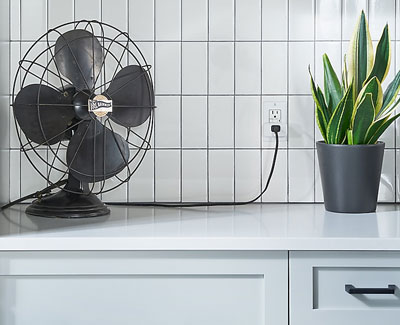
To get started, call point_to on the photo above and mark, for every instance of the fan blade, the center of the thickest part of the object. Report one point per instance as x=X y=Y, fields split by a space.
x=38 y=107
x=132 y=94
x=95 y=153
x=79 y=57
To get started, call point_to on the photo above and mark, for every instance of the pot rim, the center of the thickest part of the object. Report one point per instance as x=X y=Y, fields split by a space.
x=323 y=143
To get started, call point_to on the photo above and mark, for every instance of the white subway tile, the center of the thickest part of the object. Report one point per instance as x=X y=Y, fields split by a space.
x=248 y=20
x=301 y=55
x=15 y=20
x=168 y=20
x=381 y=12
x=60 y=12
x=194 y=121
x=15 y=49
x=319 y=194
x=147 y=49
x=31 y=180
x=33 y=19
x=115 y=13
x=248 y=67
x=301 y=122
x=141 y=19
x=194 y=175
x=221 y=122
x=167 y=122
x=5 y=176
x=247 y=120
x=36 y=71
x=333 y=50
x=168 y=175
x=328 y=19
x=4 y=122
x=14 y=142
x=194 y=20
x=87 y=10
x=247 y=174
x=350 y=12
x=221 y=64
x=301 y=20
x=194 y=68
x=221 y=20
x=15 y=174
x=274 y=69
x=389 y=136
x=221 y=175
x=301 y=175
x=168 y=68
x=118 y=194
x=275 y=20
x=4 y=67
x=387 y=187
x=277 y=189
x=141 y=184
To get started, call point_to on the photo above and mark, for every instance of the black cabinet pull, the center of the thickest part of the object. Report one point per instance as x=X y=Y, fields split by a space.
x=390 y=290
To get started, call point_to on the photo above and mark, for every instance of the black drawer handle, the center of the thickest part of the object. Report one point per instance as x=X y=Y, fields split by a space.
x=390 y=290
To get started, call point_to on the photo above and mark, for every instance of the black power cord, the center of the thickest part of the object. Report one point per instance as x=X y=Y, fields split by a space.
x=274 y=128
x=36 y=195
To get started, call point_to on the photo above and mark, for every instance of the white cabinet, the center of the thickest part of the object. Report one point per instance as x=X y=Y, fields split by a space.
x=143 y=288
x=318 y=292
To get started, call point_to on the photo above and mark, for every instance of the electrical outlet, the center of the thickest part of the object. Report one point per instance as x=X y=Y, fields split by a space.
x=274 y=113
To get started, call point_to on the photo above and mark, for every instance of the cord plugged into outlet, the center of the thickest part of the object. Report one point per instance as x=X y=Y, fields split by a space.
x=274 y=114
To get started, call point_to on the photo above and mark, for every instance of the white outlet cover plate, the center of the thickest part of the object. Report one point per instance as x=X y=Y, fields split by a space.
x=269 y=136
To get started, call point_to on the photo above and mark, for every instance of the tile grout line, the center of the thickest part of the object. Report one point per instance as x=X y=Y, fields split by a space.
x=20 y=57
x=181 y=102
x=128 y=30
x=395 y=124
x=154 y=86
x=261 y=101
x=234 y=100
x=315 y=64
x=10 y=99
x=208 y=105
x=287 y=99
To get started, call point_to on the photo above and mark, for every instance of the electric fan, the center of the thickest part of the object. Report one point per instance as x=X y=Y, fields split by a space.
x=84 y=114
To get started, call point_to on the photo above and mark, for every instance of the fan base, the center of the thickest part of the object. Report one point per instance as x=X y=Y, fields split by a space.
x=68 y=205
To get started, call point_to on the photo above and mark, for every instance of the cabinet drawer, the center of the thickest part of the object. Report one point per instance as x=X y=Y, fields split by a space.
x=344 y=288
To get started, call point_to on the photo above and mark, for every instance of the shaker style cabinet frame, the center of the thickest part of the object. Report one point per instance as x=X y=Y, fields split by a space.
x=143 y=288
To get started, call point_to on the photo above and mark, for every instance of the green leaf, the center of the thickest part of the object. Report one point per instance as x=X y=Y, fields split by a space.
x=350 y=137
x=341 y=119
x=374 y=88
x=322 y=112
x=377 y=128
x=363 y=118
x=321 y=122
x=390 y=94
x=382 y=57
x=360 y=55
x=332 y=88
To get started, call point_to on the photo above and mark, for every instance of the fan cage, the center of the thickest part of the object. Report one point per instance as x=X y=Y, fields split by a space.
x=32 y=68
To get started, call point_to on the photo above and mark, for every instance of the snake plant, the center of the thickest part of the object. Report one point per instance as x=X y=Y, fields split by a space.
x=355 y=110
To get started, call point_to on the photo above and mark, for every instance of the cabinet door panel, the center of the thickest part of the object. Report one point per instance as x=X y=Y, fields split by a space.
x=152 y=288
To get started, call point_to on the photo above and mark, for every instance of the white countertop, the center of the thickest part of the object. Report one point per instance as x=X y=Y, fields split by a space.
x=252 y=227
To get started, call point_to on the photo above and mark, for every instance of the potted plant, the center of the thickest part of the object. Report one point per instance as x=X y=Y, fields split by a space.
x=352 y=115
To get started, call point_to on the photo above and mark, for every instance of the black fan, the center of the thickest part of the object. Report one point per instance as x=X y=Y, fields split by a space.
x=85 y=109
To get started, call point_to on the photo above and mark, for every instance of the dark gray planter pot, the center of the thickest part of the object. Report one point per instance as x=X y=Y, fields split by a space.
x=350 y=176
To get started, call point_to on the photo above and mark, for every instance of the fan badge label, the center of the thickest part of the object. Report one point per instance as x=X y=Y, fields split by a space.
x=100 y=105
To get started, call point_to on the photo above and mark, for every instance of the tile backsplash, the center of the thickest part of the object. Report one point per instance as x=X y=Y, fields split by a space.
x=215 y=65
